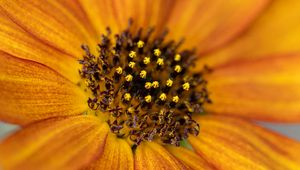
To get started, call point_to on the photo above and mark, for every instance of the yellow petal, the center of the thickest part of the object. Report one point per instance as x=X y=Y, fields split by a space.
x=17 y=42
x=231 y=143
x=115 y=14
x=208 y=25
x=77 y=11
x=277 y=31
x=189 y=158
x=30 y=91
x=60 y=143
x=152 y=156
x=50 y=22
x=117 y=154
x=265 y=89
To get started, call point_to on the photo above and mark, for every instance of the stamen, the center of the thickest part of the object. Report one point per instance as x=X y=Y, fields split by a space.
x=145 y=85
x=155 y=84
x=157 y=52
x=132 y=54
x=140 y=44
x=128 y=78
x=160 y=61
x=177 y=57
x=148 y=98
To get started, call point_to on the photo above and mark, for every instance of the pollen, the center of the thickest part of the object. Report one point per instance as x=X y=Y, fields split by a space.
x=127 y=96
x=148 y=85
x=132 y=54
x=146 y=60
x=155 y=84
x=163 y=97
x=157 y=52
x=177 y=57
x=131 y=64
x=119 y=70
x=140 y=44
x=144 y=86
x=186 y=86
x=160 y=61
x=148 y=98
x=143 y=74
x=129 y=77
x=169 y=83
x=175 y=99
x=178 y=68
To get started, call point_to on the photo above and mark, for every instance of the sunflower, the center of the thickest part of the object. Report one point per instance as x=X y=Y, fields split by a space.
x=98 y=84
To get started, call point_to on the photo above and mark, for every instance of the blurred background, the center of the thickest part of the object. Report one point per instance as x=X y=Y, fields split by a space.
x=291 y=130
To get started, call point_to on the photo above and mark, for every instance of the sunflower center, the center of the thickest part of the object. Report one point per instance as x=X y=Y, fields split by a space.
x=145 y=86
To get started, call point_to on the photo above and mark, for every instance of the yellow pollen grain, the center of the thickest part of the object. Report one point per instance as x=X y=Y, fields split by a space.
x=148 y=98
x=155 y=84
x=140 y=44
x=143 y=74
x=163 y=97
x=131 y=64
x=127 y=96
x=148 y=85
x=175 y=99
x=119 y=70
x=132 y=54
x=169 y=82
x=157 y=52
x=178 y=68
x=146 y=60
x=128 y=77
x=186 y=86
x=160 y=61
x=177 y=57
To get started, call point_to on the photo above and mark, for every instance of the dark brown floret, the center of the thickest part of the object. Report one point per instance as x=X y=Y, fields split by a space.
x=146 y=86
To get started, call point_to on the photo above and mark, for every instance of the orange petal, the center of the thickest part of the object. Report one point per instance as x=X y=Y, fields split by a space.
x=17 y=42
x=230 y=142
x=152 y=156
x=117 y=154
x=60 y=143
x=115 y=14
x=210 y=24
x=50 y=22
x=265 y=89
x=277 y=31
x=30 y=91
x=189 y=158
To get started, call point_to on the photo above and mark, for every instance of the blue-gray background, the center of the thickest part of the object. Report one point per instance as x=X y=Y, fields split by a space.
x=291 y=130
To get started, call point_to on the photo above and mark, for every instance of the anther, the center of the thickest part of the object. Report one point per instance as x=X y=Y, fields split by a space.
x=160 y=61
x=178 y=68
x=127 y=96
x=157 y=52
x=186 y=86
x=146 y=60
x=119 y=70
x=177 y=57
x=169 y=83
x=155 y=84
x=143 y=74
x=163 y=97
x=175 y=99
x=140 y=44
x=128 y=77
x=131 y=64
x=148 y=85
x=132 y=54
x=148 y=98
